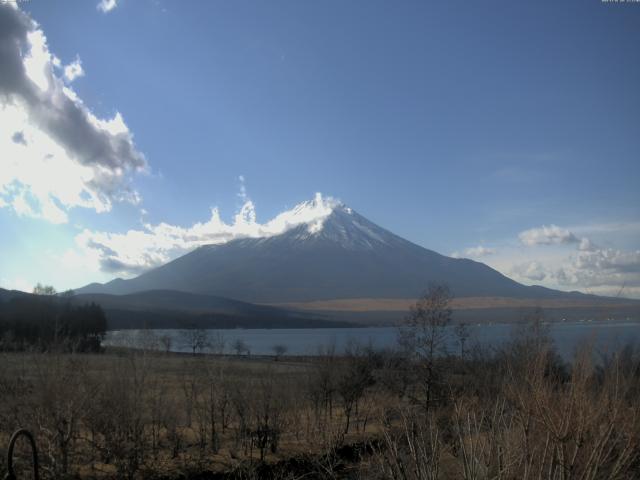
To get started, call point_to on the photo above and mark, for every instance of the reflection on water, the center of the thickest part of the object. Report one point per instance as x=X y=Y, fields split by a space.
x=606 y=336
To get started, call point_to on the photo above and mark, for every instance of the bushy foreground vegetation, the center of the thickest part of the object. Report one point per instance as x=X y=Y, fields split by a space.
x=519 y=412
x=418 y=412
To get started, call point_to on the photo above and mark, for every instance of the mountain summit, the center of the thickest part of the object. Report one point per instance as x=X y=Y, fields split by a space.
x=321 y=250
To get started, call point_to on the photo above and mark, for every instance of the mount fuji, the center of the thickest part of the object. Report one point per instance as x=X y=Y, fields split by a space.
x=323 y=251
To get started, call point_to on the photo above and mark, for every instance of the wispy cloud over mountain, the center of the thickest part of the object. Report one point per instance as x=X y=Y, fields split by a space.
x=135 y=251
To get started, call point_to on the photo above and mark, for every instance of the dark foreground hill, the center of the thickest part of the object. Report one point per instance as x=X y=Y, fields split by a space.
x=172 y=309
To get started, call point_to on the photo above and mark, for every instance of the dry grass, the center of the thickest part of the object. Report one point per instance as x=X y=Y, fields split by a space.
x=518 y=413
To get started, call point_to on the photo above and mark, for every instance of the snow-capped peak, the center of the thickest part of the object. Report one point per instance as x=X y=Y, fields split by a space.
x=329 y=220
x=313 y=213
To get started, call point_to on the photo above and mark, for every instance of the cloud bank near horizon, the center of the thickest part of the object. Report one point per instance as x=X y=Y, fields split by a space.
x=578 y=263
x=558 y=257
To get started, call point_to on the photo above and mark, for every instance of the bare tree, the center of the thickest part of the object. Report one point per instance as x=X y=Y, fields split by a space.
x=269 y=407
x=323 y=386
x=217 y=344
x=60 y=398
x=412 y=451
x=165 y=342
x=116 y=415
x=424 y=334
x=462 y=336
x=146 y=340
x=68 y=294
x=356 y=374
x=240 y=347
x=279 y=351
x=41 y=289
x=195 y=339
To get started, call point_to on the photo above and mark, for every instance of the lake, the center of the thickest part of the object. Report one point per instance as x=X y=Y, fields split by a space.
x=606 y=336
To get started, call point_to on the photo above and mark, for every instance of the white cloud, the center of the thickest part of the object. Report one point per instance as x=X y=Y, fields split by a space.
x=479 y=251
x=22 y=206
x=135 y=251
x=529 y=271
x=558 y=258
x=105 y=6
x=73 y=70
x=608 y=272
x=242 y=194
x=603 y=268
x=586 y=245
x=474 y=252
x=586 y=267
x=608 y=259
x=547 y=235
x=56 y=154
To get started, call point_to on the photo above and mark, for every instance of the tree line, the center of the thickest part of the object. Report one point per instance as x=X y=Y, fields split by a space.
x=44 y=321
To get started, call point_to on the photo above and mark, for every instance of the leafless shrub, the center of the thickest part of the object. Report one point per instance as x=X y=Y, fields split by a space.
x=166 y=341
x=195 y=339
x=355 y=374
x=411 y=449
x=513 y=412
x=240 y=347
x=582 y=428
x=279 y=350
x=60 y=398
x=483 y=444
x=462 y=334
x=117 y=416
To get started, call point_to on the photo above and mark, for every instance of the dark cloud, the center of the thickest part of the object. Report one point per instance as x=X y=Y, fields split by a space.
x=14 y=26
x=113 y=265
x=103 y=249
x=106 y=146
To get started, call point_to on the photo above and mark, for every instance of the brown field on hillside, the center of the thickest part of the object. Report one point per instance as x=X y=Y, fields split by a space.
x=462 y=303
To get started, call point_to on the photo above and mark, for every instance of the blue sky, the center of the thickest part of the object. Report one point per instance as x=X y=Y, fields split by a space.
x=504 y=131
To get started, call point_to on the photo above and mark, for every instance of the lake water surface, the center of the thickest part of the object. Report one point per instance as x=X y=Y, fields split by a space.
x=606 y=336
